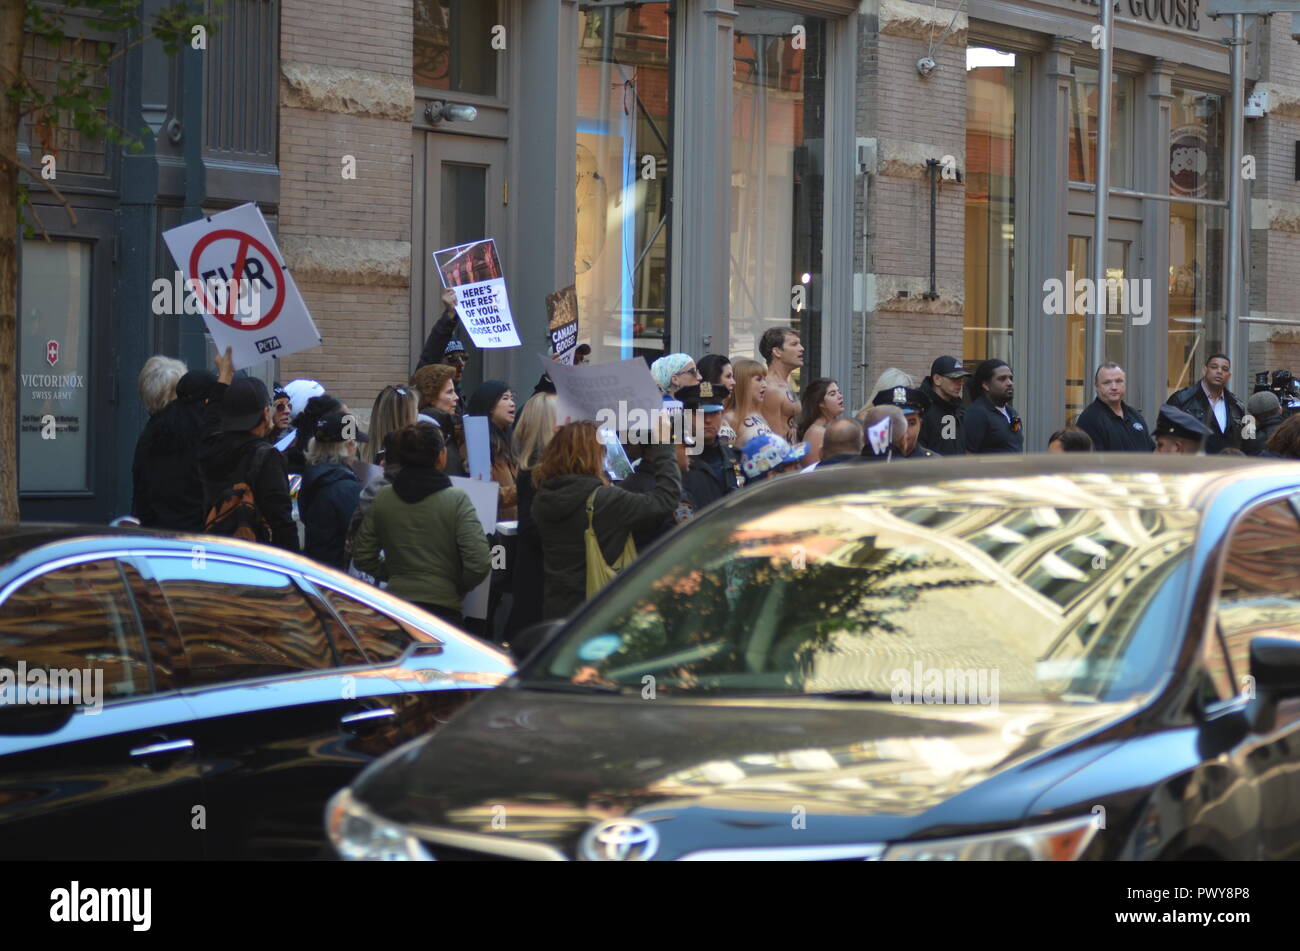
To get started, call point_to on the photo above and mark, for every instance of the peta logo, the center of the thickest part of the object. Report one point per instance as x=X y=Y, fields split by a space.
x=103 y=904
x=269 y=344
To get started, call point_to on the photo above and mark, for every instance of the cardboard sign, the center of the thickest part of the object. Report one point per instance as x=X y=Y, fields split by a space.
x=265 y=316
x=603 y=392
x=474 y=271
x=478 y=446
x=483 y=495
x=562 y=311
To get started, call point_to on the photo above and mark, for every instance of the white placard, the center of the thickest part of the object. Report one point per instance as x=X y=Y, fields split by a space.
x=474 y=271
x=598 y=391
x=478 y=446
x=878 y=437
x=483 y=495
x=267 y=317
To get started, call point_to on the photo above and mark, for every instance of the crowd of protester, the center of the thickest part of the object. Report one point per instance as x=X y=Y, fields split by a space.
x=292 y=467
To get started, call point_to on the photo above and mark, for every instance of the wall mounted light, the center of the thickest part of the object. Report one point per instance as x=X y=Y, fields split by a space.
x=439 y=111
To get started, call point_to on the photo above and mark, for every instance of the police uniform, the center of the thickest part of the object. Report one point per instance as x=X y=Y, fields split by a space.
x=715 y=470
x=1173 y=421
x=913 y=402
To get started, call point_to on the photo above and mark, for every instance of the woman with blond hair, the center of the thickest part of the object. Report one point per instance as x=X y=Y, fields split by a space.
x=533 y=432
x=744 y=408
x=396 y=407
x=574 y=493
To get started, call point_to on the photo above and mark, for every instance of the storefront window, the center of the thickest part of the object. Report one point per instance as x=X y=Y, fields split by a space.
x=452 y=45
x=993 y=79
x=623 y=180
x=1083 y=127
x=777 y=135
x=53 y=367
x=1196 y=235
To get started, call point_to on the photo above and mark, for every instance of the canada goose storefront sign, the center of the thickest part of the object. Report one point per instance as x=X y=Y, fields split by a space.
x=1188 y=162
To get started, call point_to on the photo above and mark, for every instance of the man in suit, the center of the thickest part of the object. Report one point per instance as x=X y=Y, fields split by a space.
x=1210 y=403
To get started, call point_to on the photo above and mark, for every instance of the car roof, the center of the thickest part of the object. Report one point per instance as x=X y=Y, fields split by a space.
x=1100 y=480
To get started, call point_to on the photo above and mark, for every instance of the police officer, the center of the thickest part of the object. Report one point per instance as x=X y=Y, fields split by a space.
x=1180 y=433
x=913 y=403
x=715 y=470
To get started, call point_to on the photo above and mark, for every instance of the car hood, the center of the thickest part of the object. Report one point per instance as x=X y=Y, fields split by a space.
x=543 y=767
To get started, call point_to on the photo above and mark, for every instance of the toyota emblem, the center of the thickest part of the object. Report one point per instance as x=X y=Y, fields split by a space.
x=619 y=840
x=52 y=352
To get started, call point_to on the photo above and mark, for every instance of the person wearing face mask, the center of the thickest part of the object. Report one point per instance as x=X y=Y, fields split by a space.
x=941 y=427
x=1111 y=424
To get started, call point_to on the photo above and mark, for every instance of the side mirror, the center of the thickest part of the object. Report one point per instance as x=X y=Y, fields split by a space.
x=524 y=644
x=1275 y=671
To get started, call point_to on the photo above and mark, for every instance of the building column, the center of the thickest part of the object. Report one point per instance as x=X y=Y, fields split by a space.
x=1148 y=349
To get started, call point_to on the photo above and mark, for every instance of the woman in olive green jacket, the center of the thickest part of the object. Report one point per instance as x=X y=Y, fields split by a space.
x=420 y=534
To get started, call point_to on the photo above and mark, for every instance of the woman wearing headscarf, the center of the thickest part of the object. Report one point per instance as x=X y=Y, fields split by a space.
x=674 y=371
x=167 y=489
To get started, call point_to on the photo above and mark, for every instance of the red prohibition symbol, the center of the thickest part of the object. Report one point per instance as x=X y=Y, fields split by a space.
x=276 y=276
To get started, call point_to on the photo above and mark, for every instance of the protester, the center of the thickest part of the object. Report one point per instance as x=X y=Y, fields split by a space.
x=396 y=407
x=444 y=329
x=1111 y=424
x=304 y=425
x=643 y=480
x=716 y=370
x=582 y=355
x=780 y=349
x=439 y=404
x=714 y=471
x=388 y=469
x=167 y=488
x=495 y=400
x=454 y=357
x=1070 y=439
x=299 y=392
x=941 y=427
x=1285 y=441
x=421 y=535
x=913 y=403
x=330 y=489
x=281 y=413
x=1211 y=403
x=822 y=402
x=1266 y=409
x=533 y=431
x=991 y=422
x=767 y=455
x=674 y=371
x=1180 y=433
x=744 y=412
x=872 y=416
x=843 y=443
x=574 y=494
x=157 y=382
x=245 y=485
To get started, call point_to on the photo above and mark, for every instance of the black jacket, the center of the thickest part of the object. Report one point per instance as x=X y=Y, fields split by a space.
x=1109 y=433
x=167 y=486
x=1193 y=401
x=1264 y=430
x=987 y=430
x=441 y=334
x=559 y=510
x=230 y=457
x=713 y=473
x=941 y=417
x=326 y=501
x=528 y=583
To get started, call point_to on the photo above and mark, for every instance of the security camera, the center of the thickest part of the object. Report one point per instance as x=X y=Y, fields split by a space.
x=925 y=65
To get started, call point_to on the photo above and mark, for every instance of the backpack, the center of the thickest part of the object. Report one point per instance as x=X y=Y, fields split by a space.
x=234 y=512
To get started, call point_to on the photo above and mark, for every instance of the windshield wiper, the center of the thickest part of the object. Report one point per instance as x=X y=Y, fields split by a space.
x=565 y=686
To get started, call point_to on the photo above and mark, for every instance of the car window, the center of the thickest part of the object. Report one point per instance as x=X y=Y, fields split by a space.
x=77 y=622
x=238 y=622
x=381 y=637
x=1259 y=595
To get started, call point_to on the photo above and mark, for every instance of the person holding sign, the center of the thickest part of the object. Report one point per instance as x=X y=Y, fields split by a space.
x=443 y=332
x=495 y=400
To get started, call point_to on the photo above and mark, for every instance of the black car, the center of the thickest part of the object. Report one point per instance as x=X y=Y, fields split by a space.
x=1048 y=657
x=223 y=691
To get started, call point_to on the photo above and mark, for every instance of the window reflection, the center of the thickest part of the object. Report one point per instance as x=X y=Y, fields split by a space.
x=451 y=45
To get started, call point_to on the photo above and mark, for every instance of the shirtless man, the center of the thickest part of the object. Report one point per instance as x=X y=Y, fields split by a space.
x=781 y=350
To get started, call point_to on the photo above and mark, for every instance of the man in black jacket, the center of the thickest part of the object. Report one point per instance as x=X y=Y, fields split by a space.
x=1112 y=424
x=238 y=451
x=1210 y=403
x=941 y=426
x=991 y=422
x=442 y=333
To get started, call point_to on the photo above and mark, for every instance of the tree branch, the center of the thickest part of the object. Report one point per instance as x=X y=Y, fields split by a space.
x=36 y=178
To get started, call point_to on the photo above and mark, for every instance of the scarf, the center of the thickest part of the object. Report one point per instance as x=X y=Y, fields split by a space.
x=416 y=483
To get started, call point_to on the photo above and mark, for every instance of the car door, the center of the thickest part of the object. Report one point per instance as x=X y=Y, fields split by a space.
x=120 y=778
x=1259 y=596
x=279 y=724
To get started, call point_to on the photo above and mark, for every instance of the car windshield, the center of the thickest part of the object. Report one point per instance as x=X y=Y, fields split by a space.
x=878 y=595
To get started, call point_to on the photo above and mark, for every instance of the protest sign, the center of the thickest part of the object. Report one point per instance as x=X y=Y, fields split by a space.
x=562 y=311
x=474 y=271
x=483 y=496
x=878 y=437
x=608 y=393
x=248 y=299
x=478 y=447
